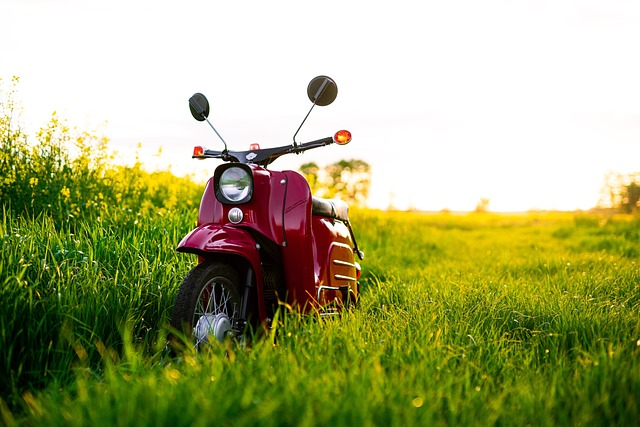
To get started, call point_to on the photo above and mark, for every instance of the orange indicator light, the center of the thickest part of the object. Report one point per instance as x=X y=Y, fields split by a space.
x=198 y=151
x=342 y=137
x=254 y=147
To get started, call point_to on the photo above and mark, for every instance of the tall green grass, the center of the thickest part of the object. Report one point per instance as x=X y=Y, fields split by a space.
x=61 y=292
x=85 y=249
x=465 y=320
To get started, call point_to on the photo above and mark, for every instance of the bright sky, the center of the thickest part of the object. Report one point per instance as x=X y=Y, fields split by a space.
x=525 y=103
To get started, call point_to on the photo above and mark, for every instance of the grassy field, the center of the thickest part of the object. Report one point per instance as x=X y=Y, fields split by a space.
x=479 y=319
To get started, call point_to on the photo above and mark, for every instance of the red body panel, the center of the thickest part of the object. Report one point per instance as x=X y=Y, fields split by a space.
x=263 y=213
x=298 y=253
x=316 y=251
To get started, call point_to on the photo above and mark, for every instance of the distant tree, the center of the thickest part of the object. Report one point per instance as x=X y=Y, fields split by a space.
x=482 y=205
x=348 y=180
x=621 y=192
x=631 y=198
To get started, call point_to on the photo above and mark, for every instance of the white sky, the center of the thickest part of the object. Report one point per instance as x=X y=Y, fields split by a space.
x=526 y=103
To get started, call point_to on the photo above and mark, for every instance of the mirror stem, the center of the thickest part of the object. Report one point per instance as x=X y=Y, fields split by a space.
x=295 y=144
x=214 y=129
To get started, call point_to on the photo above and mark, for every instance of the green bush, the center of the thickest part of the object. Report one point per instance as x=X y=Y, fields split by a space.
x=69 y=174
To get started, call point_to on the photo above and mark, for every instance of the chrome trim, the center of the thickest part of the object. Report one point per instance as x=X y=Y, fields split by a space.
x=235 y=215
x=341 y=277
x=326 y=288
x=328 y=314
x=345 y=263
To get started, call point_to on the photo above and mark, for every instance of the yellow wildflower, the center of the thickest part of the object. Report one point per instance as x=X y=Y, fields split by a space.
x=65 y=192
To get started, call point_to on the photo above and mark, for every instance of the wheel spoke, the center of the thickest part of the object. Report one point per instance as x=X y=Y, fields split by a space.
x=224 y=300
x=216 y=305
x=212 y=296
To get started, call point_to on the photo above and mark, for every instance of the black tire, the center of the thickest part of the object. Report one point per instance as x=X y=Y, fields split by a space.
x=208 y=303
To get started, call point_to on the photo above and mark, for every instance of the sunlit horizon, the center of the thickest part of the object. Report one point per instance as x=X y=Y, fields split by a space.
x=526 y=104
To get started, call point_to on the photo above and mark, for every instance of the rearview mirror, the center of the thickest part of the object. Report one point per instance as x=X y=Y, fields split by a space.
x=322 y=90
x=199 y=106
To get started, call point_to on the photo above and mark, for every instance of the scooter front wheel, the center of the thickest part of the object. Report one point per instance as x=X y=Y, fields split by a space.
x=208 y=303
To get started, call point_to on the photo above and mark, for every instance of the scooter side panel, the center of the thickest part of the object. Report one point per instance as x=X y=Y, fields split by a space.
x=335 y=260
x=299 y=251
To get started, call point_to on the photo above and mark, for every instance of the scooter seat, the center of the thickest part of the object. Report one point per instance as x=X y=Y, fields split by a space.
x=333 y=208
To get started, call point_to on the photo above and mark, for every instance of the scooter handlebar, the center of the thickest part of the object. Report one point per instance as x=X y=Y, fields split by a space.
x=265 y=156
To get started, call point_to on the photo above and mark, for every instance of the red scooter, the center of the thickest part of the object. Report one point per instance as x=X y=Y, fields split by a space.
x=263 y=240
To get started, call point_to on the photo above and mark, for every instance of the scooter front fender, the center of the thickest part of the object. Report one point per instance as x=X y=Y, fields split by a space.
x=216 y=238
x=211 y=240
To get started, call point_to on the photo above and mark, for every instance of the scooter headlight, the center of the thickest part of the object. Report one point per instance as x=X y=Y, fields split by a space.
x=234 y=184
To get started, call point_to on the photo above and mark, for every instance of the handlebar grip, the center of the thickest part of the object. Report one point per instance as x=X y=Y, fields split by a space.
x=326 y=141
x=315 y=144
